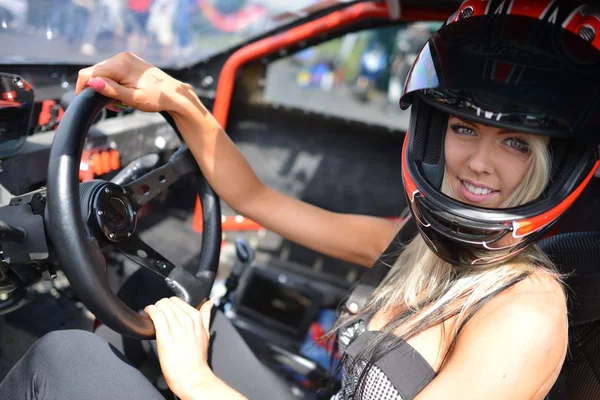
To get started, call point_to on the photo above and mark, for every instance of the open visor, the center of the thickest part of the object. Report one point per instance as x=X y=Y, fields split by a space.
x=511 y=72
x=470 y=236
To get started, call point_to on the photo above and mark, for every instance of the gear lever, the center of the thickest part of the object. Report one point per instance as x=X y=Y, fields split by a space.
x=244 y=257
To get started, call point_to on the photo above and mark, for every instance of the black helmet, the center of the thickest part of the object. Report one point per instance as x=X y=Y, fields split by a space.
x=531 y=68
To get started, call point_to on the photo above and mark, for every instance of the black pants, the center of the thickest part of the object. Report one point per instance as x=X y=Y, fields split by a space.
x=77 y=365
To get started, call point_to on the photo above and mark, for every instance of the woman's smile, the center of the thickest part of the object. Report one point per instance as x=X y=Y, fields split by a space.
x=476 y=193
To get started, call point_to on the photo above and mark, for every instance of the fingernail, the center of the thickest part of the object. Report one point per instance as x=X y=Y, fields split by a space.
x=96 y=84
x=112 y=108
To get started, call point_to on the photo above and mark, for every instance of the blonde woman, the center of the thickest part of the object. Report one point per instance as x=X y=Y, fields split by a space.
x=503 y=136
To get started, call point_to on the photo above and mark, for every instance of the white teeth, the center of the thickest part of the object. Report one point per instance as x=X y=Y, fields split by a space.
x=477 y=190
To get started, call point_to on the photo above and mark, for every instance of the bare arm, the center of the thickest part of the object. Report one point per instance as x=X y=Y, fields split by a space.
x=129 y=79
x=355 y=238
x=512 y=349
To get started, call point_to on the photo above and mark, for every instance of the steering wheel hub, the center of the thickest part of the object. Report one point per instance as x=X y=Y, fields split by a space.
x=114 y=212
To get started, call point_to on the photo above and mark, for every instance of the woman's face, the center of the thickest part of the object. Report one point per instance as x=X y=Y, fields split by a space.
x=485 y=165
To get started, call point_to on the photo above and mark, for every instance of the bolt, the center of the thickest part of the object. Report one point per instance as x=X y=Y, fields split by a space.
x=106 y=190
x=128 y=234
x=100 y=212
x=111 y=235
x=207 y=81
x=124 y=191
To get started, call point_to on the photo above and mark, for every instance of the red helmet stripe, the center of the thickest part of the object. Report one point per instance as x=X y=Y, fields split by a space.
x=574 y=20
x=529 y=225
x=409 y=184
x=533 y=9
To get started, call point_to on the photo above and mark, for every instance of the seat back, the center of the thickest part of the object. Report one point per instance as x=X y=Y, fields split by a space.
x=578 y=253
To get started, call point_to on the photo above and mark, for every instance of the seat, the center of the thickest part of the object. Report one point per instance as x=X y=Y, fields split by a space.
x=578 y=253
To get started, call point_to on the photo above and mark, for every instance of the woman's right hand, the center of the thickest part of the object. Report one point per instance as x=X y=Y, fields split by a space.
x=133 y=82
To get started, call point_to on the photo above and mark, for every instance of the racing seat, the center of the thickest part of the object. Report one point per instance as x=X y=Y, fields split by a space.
x=579 y=253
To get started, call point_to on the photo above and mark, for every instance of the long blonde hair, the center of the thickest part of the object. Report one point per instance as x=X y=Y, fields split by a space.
x=422 y=291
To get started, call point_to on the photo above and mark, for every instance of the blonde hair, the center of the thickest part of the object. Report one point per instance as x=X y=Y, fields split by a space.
x=421 y=290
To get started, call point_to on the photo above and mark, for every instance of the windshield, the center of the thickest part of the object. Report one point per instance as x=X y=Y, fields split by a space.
x=168 y=33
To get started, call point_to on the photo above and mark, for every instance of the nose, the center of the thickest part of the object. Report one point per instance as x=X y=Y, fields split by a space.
x=481 y=160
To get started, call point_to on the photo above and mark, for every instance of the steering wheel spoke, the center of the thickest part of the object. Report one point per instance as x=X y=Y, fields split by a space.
x=139 y=252
x=188 y=287
x=149 y=186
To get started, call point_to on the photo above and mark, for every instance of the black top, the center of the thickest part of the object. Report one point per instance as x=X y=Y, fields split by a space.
x=399 y=375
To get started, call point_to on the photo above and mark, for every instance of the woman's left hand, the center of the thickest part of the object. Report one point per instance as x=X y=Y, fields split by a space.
x=182 y=338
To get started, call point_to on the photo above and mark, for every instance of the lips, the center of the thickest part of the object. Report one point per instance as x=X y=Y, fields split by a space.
x=476 y=194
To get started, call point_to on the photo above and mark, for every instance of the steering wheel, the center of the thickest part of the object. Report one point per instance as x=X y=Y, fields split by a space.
x=82 y=219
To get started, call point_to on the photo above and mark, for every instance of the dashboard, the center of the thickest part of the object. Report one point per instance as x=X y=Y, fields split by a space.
x=30 y=116
x=129 y=137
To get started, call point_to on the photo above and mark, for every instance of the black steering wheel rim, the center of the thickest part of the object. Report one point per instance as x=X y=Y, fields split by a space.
x=79 y=253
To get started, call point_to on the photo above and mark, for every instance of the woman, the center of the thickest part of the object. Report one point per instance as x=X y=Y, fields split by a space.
x=502 y=140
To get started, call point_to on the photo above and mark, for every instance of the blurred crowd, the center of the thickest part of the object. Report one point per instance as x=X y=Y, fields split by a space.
x=374 y=63
x=89 y=24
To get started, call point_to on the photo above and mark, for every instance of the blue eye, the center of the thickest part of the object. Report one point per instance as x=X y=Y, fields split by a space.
x=518 y=144
x=462 y=130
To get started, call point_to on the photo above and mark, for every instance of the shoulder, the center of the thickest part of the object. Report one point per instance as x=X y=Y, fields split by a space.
x=524 y=332
x=534 y=308
x=521 y=332
x=537 y=300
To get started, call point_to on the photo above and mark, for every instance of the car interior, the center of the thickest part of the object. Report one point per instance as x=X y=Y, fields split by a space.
x=319 y=145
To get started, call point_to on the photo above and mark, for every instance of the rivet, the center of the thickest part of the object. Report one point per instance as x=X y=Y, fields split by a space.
x=466 y=13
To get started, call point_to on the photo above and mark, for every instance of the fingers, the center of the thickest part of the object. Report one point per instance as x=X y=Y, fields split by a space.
x=159 y=319
x=186 y=319
x=108 y=77
x=180 y=315
x=205 y=312
x=177 y=318
x=112 y=89
x=115 y=68
x=184 y=307
x=83 y=78
x=111 y=68
x=201 y=317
